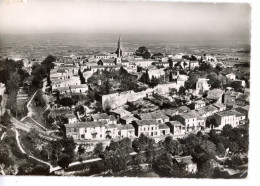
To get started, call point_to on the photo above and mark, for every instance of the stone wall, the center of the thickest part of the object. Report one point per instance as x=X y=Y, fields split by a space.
x=119 y=99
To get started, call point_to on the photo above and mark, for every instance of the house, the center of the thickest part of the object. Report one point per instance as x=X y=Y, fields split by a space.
x=231 y=76
x=207 y=111
x=112 y=119
x=181 y=79
x=94 y=130
x=164 y=129
x=126 y=131
x=230 y=98
x=215 y=95
x=243 y=110
x=143 y=63
x=100 y=117
x=190 y=121
x=156 y=73
x=198 y=104
x=228 y=117
x=176 y=127
x=106 y=62
x=127 y=119
x=242 y=100
x=61 y=90
x=202 y=85
x=220 y=106
x=158 y=116
x=111 y=131
x=170 y=112
x=183 y=109
x=161 y=63
x=120 y=112
x=71 y=118
x=193 y=65
x=83 y=88
x=147 y=127
x=190 y=167
x=105 y=55
x=242 y=82
x=102 y=68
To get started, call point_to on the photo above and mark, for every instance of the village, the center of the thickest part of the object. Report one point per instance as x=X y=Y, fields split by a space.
x=191 y=110
x=98 y=99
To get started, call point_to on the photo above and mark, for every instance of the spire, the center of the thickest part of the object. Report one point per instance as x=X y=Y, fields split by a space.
x=119 y=46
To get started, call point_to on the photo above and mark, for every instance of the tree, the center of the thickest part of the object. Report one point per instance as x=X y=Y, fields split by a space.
x=69 y=146
x=67 y=102
x=48 y=62
x=139 y=158
x=48 y=80
x=226 y=130
x=192 y=80
x=107 y=87
x=172 y=91
x=33 y=135
x=145 y=77
x=5 y=156
x=82 y=79
x=205 y=67
x=172 y=146
x=81 y=149
x=221 y=149
x=144 y=52
x=233 y=146
x=64 y=161
x=214 y=80
x=236 y=85
x=99 y=149
x=13 y=83
x=207 y=169
x=39 y=101
x=6 y=120
x=97 y=167
x=182 y=90
x=208 y=147
x=40 y=170
x=154 y=82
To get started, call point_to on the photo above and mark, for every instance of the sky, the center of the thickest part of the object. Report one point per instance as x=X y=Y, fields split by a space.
x=77 y=16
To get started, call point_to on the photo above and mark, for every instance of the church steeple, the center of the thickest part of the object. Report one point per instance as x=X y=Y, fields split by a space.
x=119 y=50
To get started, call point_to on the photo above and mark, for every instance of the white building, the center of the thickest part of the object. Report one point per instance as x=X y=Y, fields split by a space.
x=231 y=76
x=229 y=117
x=202 y=85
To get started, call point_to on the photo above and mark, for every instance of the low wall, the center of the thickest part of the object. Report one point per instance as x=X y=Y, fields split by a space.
x=119 y=99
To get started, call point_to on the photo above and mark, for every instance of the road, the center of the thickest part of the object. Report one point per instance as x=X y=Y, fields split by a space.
x=3 y=104
x=29 y=108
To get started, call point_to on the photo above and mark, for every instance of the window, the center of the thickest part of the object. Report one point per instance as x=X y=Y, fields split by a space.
x=101 y=135
x=152 y=128
x=86 y=130
x=82 y=136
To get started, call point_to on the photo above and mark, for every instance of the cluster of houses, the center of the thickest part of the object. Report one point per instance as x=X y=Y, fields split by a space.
x=65 y=78
x=198 y=116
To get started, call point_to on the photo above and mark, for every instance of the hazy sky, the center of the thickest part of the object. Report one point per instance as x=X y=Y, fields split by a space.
x=56 y=16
